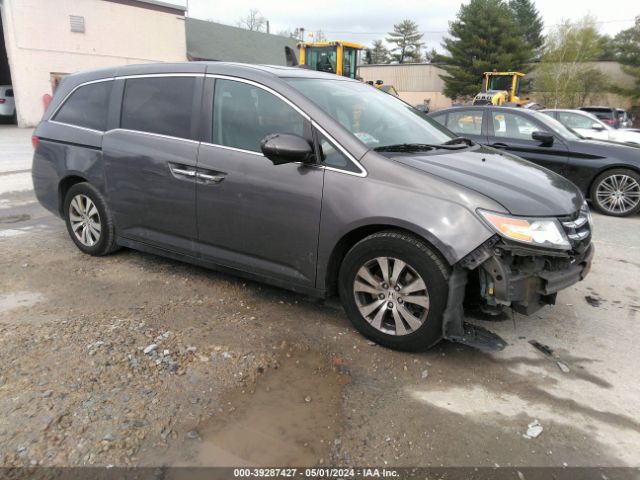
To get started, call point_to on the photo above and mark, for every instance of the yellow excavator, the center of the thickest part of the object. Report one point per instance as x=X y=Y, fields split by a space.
x=500 y=89
x=339 y=57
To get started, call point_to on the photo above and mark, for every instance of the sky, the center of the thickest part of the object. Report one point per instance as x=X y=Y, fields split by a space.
x=366 y=20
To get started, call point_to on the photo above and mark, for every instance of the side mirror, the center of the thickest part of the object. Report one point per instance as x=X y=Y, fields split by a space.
x=283 y=148
x=597 y=126
x=543 y=137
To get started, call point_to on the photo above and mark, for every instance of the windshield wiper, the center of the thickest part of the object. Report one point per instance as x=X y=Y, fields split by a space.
x=405 y=147
x=423 y=147
x=458 y=140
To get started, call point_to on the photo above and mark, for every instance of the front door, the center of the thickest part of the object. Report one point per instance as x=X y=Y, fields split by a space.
x=512 y=132
x=254 y=215
x=150 y=161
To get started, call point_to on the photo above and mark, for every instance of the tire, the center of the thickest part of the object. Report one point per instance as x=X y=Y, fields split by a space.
x=384 y=325
x=616 y=192
x=85 y=213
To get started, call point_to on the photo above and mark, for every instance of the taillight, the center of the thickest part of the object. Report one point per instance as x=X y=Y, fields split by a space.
x=2 y=100
x=34 y=141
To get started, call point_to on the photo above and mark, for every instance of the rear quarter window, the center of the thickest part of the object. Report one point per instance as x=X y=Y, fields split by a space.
x=87 y=106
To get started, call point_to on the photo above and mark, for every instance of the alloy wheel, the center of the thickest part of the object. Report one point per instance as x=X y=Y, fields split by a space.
x=618 y=193
x=85 y=220
x=391 y=296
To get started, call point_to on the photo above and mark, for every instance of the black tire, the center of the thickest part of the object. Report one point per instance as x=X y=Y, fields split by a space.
x=599 y=182
x=420 y=257
x=106 y=242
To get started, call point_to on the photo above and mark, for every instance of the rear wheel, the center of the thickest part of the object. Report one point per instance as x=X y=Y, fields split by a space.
x=617 y=192
x=394 y=288
x=89 y=222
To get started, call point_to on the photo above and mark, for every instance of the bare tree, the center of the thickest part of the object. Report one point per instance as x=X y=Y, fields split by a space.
x=253 y=21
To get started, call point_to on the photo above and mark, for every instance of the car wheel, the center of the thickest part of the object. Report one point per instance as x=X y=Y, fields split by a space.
x=89 y=222
x=393 y=287
x=617 y=192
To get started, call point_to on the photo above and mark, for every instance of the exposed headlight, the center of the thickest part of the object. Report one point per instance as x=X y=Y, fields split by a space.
x=541 y=232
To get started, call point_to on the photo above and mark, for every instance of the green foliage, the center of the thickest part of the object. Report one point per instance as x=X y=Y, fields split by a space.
x=431 y=56
x=484 y=36
x=627 y=45
x=564 y=78
x=407 y=40
x=379 y=53
x=528 y=18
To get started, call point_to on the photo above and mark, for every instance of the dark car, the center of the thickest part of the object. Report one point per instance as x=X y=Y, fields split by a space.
x=606 y=172
x=311 y=182
x=608 y=115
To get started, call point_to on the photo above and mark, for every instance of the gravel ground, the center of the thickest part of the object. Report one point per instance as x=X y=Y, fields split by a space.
x=133 y=359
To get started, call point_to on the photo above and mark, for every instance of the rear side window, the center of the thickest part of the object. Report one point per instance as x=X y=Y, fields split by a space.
x=87 y=106
x=465 y=122
x=244 y=114
x=161 y=105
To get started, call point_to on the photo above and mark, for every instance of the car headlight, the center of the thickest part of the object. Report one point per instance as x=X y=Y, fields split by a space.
x=541 y=232
x=585 y=211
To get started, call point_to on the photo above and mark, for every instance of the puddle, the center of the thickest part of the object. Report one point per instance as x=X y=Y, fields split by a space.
x=292 y=419
x=15 y=218
x=13 y=300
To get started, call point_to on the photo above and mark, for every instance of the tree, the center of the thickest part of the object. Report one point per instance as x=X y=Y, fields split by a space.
x=528 y=18
x=253 y=21
x=627 y=45
x=431 y=56
x=564 y=78
x=484 y=36
x=607 y=48
x=406 y=38
x=379 y=53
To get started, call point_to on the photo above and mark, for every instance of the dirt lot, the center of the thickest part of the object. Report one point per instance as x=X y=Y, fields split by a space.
x=135 y=359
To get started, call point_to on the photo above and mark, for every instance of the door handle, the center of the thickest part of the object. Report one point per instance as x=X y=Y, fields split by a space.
x=183 y=171
x=210 y=178
x=499 y=145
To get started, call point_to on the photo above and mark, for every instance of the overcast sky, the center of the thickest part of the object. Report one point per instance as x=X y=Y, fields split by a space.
x=366 y=20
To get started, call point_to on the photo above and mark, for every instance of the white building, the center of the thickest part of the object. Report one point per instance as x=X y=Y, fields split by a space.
x=43 y=40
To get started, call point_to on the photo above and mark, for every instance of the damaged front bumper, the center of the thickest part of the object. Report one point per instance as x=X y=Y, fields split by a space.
x=509 y=275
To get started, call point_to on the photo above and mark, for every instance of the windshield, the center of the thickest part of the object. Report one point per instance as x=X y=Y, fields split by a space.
x=374 y=117
x=500 y=82
x=556 y=127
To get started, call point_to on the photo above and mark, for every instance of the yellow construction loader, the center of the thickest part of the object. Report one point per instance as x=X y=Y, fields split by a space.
x=501 y=89
x=339 y=57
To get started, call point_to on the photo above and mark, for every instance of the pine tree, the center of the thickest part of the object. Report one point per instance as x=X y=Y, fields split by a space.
x=406 y=37
x=527 y=16
x=484 y=36
x=379 y=53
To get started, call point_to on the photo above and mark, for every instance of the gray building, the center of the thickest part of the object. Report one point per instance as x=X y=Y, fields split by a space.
x=214 y=41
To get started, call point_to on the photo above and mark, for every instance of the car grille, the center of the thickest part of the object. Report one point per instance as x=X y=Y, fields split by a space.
x=578 y=230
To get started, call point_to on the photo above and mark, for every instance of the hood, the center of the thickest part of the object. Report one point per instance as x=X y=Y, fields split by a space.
x=521 y=187
x=625 y=136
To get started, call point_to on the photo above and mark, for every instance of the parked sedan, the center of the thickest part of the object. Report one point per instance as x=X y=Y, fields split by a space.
x=606 y=172
x=589 y=126
x=312 y=182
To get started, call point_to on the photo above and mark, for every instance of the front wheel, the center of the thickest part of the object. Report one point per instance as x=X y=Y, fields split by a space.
x=394 y=288
x=617 y=192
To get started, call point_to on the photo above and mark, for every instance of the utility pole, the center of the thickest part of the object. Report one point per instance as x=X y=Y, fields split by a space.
x=268 y=27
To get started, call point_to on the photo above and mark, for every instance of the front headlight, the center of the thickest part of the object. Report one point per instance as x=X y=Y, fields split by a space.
x=541 y=232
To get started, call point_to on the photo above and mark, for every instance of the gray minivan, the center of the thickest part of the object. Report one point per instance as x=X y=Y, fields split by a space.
x=311 y=182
